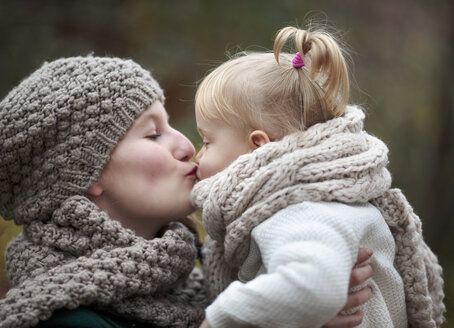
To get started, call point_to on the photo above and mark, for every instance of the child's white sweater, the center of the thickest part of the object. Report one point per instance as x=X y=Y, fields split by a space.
x=298 y=268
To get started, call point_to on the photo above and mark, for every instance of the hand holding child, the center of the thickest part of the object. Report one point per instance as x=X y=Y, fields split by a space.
x=360 y=273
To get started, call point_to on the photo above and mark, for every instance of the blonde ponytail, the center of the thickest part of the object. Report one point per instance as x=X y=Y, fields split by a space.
x=325 y=81
x=253 y=91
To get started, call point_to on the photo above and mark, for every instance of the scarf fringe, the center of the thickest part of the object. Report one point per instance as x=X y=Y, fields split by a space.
x=415 y=262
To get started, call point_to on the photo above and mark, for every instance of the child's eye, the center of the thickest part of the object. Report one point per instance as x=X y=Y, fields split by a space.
x=154 y=136
x=204 y=143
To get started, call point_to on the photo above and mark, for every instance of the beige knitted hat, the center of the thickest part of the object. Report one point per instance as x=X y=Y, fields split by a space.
x=59 y=126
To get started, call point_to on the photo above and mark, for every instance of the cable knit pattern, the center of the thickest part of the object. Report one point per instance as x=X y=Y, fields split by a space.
x=332 y=161
x=83 y=257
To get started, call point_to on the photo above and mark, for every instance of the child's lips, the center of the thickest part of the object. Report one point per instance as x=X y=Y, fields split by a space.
x=192 y=172
x=198 y=175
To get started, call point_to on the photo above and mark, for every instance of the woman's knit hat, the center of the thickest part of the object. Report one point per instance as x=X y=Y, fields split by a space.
x=59 y=126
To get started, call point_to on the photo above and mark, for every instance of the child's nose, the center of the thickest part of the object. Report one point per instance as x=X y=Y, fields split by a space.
x=198 y=156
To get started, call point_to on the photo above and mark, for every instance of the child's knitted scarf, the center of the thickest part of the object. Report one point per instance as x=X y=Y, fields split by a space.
x=82 y=257
x=333 y=161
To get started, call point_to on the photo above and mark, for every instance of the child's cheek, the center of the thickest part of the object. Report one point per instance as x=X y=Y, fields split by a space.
x=207 y=168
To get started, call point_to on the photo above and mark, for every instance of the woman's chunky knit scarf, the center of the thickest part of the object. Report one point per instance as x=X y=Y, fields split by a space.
x=82 y=257
x=333 y=161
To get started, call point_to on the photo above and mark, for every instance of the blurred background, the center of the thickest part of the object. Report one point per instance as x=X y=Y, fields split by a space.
x=403 y=52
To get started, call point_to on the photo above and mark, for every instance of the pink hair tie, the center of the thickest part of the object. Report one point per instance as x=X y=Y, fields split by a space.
x=297 y=61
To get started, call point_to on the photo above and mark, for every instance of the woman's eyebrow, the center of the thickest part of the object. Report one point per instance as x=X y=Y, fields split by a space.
x=144 y=121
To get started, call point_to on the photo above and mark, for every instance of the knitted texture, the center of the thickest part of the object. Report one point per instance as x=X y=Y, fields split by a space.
x=59 y=126
x=82 y=257
x=58 y=129
x=307 y=251
x=331 y=161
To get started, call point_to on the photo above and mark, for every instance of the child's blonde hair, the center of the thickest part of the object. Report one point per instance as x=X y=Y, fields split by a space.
x=266 y=92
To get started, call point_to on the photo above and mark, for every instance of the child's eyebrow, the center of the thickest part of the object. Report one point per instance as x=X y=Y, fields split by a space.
x=201 y=131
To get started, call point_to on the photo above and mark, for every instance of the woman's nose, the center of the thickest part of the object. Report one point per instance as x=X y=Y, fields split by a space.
x=184 y=149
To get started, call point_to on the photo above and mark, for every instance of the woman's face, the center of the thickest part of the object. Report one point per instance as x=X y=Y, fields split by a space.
x=149 y=177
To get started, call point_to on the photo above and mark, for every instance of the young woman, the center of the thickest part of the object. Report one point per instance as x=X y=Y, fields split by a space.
x=98 y=178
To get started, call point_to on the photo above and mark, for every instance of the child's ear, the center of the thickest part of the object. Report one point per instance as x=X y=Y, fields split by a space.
x=95 y=190
x=257 y=139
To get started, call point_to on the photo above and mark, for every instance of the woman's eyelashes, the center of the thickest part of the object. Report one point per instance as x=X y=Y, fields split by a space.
x=154 y=136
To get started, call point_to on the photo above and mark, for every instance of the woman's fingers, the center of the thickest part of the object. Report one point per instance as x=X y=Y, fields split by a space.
x=360 y=275
x=351 y=320
x=363 y=255
x=358 y=298
x=345 y=321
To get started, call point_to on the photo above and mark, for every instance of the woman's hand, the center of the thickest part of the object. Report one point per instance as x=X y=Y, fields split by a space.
x=360 y=274
x=205 y=324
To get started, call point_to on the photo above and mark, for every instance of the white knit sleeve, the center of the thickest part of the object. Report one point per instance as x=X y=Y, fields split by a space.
x=308 y=251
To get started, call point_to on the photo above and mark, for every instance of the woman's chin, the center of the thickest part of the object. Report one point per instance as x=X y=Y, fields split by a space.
x=189 y=210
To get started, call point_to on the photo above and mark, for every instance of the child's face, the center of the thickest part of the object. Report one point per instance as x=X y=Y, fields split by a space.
x=222 y=144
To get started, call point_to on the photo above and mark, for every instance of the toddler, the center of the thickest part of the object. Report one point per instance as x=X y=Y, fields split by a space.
x=291 y=186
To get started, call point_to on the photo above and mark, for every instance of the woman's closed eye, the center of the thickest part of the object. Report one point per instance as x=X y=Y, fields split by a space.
x=154 y=136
